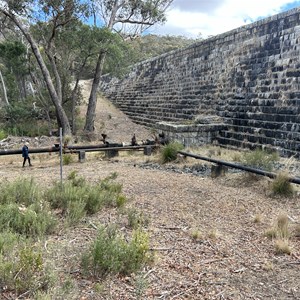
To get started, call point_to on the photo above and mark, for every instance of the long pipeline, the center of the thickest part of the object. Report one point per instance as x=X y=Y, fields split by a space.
x=238 y=166
x=88 y=148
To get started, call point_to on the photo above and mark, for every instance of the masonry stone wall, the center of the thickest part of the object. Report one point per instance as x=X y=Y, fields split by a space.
x=249 y=77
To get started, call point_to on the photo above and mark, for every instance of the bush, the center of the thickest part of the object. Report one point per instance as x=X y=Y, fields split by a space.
x=21 y=191
x=260 y=159
x=28 y=221
x=136 y=219
x=23 y=269
x=22 y=209
x=282 y=186
x=67 y=159
x=111 y=253
x=169 y=152
x=3 y=134
x=77 y=197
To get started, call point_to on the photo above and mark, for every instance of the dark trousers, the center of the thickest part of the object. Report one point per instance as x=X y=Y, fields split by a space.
x=24 y=161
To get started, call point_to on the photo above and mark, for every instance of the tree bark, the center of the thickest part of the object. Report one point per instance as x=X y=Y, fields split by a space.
x=4 y=89
x=91 y=111
x=74 y=98
x=63 y=119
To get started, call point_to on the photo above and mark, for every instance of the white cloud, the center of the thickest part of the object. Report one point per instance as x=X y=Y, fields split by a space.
x=223 y=16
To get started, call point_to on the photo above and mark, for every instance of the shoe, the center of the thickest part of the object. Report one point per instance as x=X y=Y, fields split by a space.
x=30 y=165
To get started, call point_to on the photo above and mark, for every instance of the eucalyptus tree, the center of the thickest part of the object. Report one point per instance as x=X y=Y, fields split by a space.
x=14 y=66
x=127 y=17
x=57 y=14
x=77 y=48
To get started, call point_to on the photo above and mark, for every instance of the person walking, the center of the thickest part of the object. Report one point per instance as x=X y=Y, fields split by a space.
x=25 y=155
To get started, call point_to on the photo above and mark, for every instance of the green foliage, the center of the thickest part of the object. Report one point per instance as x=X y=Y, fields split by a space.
x=169 y=152
x=67 y=159
x=77 y=197
x=20 y=118
x=260 y=159
x=22 y=209
x=29 y=221
x=22 y=191
x=111 y=253
x=3 y=134
x=136 y=219
x=121 y=200
x=151 y=45
x=282 y=186
x=23 y=269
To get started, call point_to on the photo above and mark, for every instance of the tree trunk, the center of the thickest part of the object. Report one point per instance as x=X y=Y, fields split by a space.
x=4 y=89
x=91 y=111
x=74 y=98
x=56 y=75
x=63 y=119
x=90 y=114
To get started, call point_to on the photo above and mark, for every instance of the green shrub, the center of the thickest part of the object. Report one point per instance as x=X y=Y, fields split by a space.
x=72 y=175
x=22 y=209
x=121 y=200
x=75 y=211
x=8 y=240
x=77 y=197
x=26 y=220
x=3 y=134
x=136 y=219
x=22 y=191
x=282 y=186
x=169 y=152
x=260 y=159
x=110 y=253
x=23 y=270
x=67 y=159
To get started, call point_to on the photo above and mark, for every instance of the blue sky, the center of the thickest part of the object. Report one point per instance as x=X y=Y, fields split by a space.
x=194 y=18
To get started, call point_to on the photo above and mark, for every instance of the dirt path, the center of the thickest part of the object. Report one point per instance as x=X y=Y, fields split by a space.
x=111 y=121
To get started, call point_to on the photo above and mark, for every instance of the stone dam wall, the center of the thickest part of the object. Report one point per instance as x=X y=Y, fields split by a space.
x=240 y=88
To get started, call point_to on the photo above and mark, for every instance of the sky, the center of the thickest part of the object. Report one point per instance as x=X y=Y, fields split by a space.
x=204 y=18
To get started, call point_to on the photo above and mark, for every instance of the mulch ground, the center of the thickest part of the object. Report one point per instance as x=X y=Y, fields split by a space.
x=207 y=235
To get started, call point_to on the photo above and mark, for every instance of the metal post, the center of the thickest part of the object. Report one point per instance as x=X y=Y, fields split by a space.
x=60 y=154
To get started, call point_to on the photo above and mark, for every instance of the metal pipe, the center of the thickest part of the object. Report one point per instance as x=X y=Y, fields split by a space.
x=86 y=148
x=31 y=150
x=111 y=148
x=240 y=167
